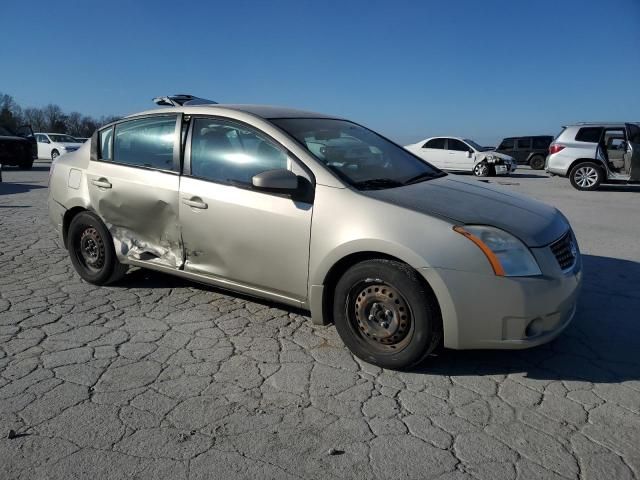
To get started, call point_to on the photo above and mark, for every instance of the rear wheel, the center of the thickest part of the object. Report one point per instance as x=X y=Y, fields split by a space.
x=91 y=250
x=536 y=162
x=586 y=176
x=385 y=314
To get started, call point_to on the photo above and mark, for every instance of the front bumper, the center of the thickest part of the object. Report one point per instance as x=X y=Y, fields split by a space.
x=487 y=311
x=505 y=168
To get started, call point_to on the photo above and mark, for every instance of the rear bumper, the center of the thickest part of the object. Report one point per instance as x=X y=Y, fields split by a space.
x=482 y=311
x=56 y=215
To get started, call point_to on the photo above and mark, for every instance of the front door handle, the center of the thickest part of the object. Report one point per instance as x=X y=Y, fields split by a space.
x=102 y=183
x=195 y=202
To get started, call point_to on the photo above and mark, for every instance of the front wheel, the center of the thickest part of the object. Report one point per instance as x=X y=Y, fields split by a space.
x=55 y=154
x=586 y=176
x=91 y=250
x=481 y=169
x=385 y=314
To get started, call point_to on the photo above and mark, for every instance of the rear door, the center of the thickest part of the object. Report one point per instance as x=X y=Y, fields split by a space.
x=632 y=156
x=133 y=182
x=433 y=151
x=522 y=149
x=234 y=234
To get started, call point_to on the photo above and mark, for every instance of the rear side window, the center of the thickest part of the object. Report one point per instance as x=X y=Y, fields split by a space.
x=435 y=143
x=507 y=144
x=589 y=134
x=541 y=143
x=524 y=143
x=224 y=152
x=146 y=142
x=105 y=144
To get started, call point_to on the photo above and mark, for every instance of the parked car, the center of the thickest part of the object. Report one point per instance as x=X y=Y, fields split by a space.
x=323 y=214
x=52 y=145
x=530 y=150
x=462 y=155
x=17 y=148
x=594 y=153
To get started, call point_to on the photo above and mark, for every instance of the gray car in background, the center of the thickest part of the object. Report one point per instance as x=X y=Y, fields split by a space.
x=594 y=153
x=323 y=214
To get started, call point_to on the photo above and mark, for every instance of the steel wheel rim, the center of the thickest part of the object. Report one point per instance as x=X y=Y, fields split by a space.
x=380 y=315
x=586 y=177
x=90 y=249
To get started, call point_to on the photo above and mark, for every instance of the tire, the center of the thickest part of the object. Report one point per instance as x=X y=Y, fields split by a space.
x=536 y=162
x=54 y=154
x=481 y=169
x=586 y=176
x=385 y=314
x=91 y=250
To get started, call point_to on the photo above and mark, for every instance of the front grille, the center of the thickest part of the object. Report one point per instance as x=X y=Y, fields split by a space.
x=565 y=250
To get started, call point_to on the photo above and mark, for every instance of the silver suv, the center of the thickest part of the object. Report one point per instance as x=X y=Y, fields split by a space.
x=320 y=213
x=594 y=153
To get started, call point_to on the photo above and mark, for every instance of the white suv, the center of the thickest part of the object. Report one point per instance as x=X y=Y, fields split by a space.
x=594 y=153
x=52 y=145
x=463 y=155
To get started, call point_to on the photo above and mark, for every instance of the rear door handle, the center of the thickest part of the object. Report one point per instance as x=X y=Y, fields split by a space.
x=102 y=183
x=195 y=202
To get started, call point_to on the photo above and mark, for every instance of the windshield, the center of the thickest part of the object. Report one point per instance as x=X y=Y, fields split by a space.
x=62 y=138
x=357 y=155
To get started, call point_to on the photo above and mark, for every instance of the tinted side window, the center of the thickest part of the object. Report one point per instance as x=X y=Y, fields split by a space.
x=105 y=144
x=228 y=153
x=435 y=143
x=458 y=146
x=523 y=143
x=507 y=144
x=589 y=134
x=541 y=143
x=147 y=142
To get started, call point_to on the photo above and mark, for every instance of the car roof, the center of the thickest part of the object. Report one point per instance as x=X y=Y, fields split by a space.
x=262 y=111
x=597 y=124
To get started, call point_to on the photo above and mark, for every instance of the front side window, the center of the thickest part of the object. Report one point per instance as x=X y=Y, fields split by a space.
x=146 y=142
x=357 y=155
x=458 y=146
x=541 y=143
x=59 y=138
x=436 y=143
x=225 y=152
x=523 y=144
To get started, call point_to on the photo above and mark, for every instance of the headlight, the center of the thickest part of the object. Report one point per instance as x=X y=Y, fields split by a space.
x=508 y=256
x=491 y=158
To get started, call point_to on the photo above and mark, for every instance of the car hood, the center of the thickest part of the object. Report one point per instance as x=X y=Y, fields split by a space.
x=473 y=202
x=496 y=154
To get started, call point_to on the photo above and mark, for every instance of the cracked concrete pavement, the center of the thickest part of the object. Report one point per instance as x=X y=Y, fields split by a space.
x=156 y=377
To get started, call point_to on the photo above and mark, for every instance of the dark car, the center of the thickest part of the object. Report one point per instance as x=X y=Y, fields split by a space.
x=530 y=151
x=18 y=148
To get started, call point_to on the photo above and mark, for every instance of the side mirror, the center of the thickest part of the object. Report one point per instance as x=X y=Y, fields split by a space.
x=281 y=180
x=469 y=153
x=45 y=140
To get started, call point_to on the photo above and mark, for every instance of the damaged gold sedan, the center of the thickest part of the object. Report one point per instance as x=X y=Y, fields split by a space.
x=323 y=214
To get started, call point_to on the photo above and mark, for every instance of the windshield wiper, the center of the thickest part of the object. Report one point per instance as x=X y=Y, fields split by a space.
x=376 y=183
x=423 y=176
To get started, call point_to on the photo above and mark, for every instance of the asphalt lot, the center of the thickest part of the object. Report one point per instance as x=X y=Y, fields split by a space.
x=156 y=377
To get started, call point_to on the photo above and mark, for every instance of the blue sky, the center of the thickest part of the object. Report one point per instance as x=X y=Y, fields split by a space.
x=409 y=69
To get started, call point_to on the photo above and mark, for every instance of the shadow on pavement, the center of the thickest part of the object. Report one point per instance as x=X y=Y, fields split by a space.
x=602 y=345
x=8 y=188
x=619 y=188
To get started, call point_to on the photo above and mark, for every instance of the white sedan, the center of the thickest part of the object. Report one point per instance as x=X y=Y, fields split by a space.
x=462 y=155
x=51 y=145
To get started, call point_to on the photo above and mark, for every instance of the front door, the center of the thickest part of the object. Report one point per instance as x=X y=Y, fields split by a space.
x=632 y=157
x=133 y=181
x=232 y=233
x=44 y=146
x=522 y=150
x=459 y=155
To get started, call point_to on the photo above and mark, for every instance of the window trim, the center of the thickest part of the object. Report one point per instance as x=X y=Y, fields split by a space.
x=186 y=164
x=175 y=169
